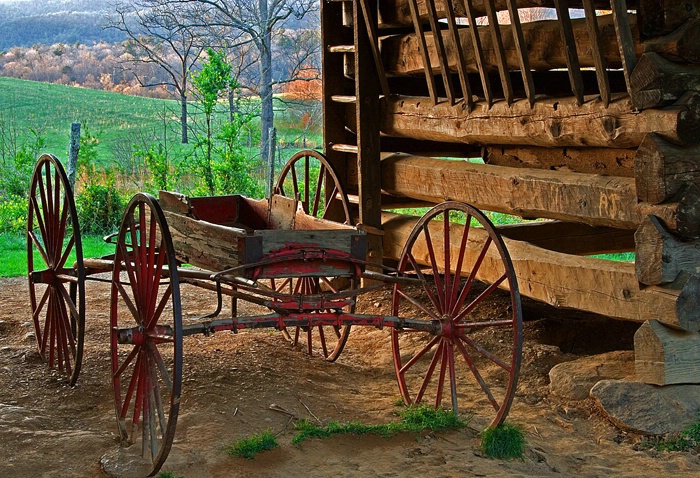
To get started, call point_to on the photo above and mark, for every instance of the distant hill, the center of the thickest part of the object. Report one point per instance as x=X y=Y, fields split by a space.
x=26 y=22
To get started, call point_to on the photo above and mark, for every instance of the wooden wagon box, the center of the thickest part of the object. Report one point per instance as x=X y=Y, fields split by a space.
x=224 y=232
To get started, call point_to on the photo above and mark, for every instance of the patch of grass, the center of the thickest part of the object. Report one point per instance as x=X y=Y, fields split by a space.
x=685 y=440
x=168 y=474
x=413 y=419
x=249 y=447
x=14 y=253
x=506 y=441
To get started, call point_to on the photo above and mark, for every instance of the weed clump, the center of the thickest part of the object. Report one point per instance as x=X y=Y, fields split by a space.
x=249 y=447
x=685 y=440
x=506 y=441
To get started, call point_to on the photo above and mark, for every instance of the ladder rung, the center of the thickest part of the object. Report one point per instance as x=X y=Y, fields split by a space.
x=341 y=48
x=344 y=99
x=344 y=148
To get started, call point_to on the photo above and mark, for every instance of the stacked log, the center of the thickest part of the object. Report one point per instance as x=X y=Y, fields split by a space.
x=616 y=170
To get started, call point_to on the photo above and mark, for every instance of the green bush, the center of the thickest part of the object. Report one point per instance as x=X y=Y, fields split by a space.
x=100 y=209
x=13 y=214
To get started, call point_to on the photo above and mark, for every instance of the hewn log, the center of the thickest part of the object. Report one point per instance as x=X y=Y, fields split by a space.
x=573 y=282
x=610 y=162
x=549 y=123
x=398 y=13
x=532 y=193
x=661 y=257
x=662 y=169
x=682 y=45
x=660 y=17
x=657 y=82
x=545 y=47
x=665 y=356
x=571 y=238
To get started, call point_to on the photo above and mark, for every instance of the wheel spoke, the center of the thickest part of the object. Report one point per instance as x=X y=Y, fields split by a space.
x=422 y=277
x=161 y=306
x=477 y=375
x=441 y=377
x=307 y=182
x=328 y=203
x=322 y=339
x=429 y=373
x=129 y=358
x=453 y=378
x=129 y=304
x=66 y=252
x=446 y=252
x=418 y=305
x=472 y=276
x=40 y=248
x=161 y=365
x=317 y=193
x=487 y=292
x=436 y=273
x=60 y=235
x=485 y=353
x=132 y=383
x=420 y=354
x=460 y=261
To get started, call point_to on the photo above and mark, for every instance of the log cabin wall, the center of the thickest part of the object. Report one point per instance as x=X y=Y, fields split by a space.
x=588 y=115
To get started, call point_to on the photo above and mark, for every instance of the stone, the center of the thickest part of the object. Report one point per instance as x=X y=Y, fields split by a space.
x=647 y=409
x=574 y=380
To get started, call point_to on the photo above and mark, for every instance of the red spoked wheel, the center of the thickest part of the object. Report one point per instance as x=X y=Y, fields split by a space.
x=325 y=340
x=146 y=331
x=479 y=343
x=309 y=177
x=56 y=291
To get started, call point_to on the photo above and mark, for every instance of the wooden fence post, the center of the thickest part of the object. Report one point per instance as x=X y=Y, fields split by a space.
x=73 y=153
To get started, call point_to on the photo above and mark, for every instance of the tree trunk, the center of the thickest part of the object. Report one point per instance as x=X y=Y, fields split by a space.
x=267 y=114
x=183 y=116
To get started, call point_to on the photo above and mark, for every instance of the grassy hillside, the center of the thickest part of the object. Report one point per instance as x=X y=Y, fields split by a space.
x=119 y=120
x=116 y=119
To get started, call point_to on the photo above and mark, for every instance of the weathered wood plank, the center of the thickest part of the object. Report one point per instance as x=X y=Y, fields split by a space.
x=542 y=41
x=606 y=161
x=572 y=197
x=656 y=81
x=572 y=282
x=203 y=244
x=662 y=169
x=665 y=356
x=571 y=238
x=661 y=257
x=549 y=123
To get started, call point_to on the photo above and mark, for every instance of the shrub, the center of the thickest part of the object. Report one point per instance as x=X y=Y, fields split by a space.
x=100 y=208
x=13 y=214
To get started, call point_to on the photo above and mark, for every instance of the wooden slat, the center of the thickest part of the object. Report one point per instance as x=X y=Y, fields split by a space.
x=442 y=54
x=367 y=89
x=600 y=68
x=521 y=48
x=500 y=53
x=478 y=52
x=344 y=148
x=341 y=48
x=423 y=51
x=459 y=53
x=572 y=197
x=572 y=62
x=371 y=27
x=625 y=40
x=344 y=99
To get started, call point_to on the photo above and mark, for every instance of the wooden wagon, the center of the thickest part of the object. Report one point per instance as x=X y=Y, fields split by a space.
x=282 y=254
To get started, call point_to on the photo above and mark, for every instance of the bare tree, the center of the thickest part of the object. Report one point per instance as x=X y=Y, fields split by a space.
x=159 y=35
x=257 y=21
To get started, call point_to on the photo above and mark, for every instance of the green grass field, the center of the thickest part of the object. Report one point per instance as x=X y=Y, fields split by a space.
x=117 y=120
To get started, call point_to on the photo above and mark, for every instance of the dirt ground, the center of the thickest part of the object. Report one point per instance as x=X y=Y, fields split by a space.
x=48 y=429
